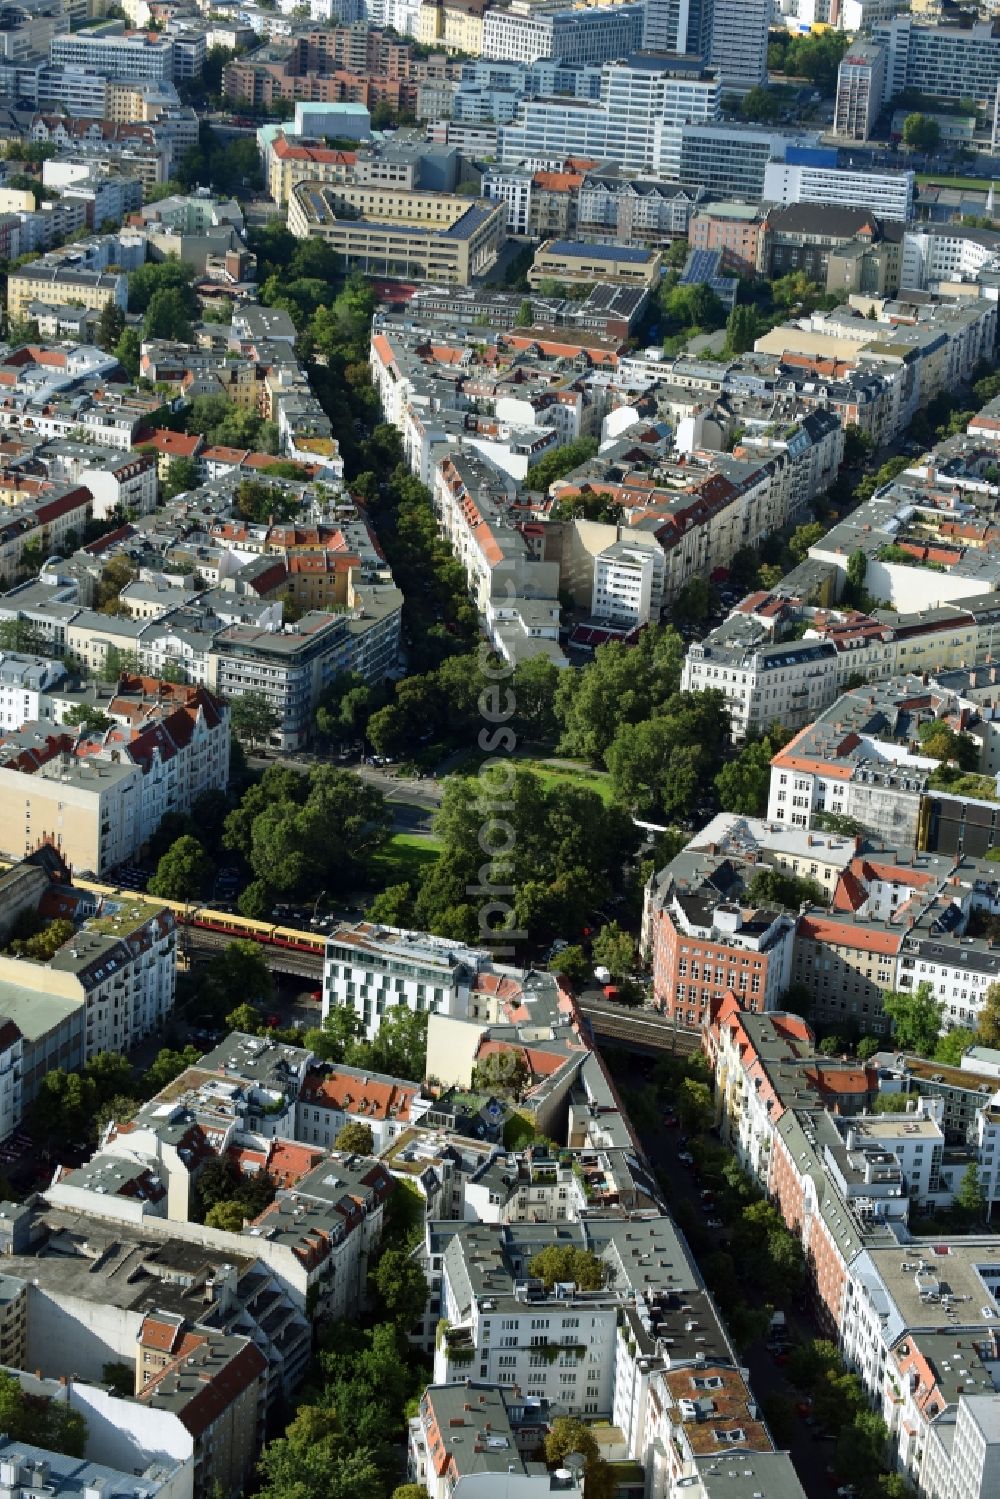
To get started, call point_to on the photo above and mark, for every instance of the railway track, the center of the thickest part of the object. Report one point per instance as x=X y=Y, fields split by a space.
x=639 y=1028
x=280 y=959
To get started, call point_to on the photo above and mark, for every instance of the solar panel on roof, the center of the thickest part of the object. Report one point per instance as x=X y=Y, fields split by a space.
x=579 y=249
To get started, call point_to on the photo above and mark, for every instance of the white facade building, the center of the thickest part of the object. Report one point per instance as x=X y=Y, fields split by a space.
x=372 y=969
x=644 y=103
x=934 y=253
x=625 y=579
x=887 y=194
x=764 y=684
x=521 y=32
x=25 y=684
x=115 y=55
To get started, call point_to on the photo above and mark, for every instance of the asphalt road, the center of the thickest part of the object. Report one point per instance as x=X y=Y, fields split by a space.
x=810 y=1456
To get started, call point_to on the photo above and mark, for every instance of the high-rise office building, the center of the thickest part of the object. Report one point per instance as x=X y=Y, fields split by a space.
x=643 y=98
x=739 y=42
x=678 y=26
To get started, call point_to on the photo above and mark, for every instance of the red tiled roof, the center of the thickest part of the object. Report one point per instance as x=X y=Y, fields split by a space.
x=175 y=444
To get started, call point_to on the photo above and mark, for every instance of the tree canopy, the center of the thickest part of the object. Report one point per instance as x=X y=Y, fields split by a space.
x=37 y=1420
x=303 y=835
x=916 y=1018
x=921 y=132
x=184 y=872
x=356 y=1138
x=566 y=1263
x=743 y=783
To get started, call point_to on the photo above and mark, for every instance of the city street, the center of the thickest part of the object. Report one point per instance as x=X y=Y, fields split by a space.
x=812 y=1455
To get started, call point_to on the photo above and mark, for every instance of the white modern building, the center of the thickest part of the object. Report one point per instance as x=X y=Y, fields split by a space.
x=372 y=969
x=625 y=580
x=522 y=32
x=814 y=177
x=936 y=253
x=25 y=685
x=644 y=102
x=114 y=53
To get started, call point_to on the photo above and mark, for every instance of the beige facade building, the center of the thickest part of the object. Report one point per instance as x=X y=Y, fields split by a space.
x=572 y=261
x=58 y=283
x=438 y=237
x=290 y=162
x=99 y=797
x=455 y=26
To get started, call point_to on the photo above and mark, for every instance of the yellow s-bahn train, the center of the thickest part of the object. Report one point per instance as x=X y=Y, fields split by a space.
x=224 y=922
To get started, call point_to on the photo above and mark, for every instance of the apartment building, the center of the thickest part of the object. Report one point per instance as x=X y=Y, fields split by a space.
x=370 y=969
x=516 y=594
x=702 y=944
x=120 y=483
x=962 y=1091
x=762 y=683
x=760 y=1064
x=63 y=283
x=98 y=796
x=627 y=211
x=293 y=666
x=107 y=987
x=215 y=1386
x=846 y=762
x=26 y=683
x=320 y=1231
x=736 y=229
x=860 y=86
x=915 y=1326
x=564 y=1346
x=625 y=579
x=473 y=1431
x=346 y=1095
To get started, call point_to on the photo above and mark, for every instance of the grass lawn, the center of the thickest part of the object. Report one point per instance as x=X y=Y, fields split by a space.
x=569 y=775
x=557 y=774
x=941 y=179
x=406 y=856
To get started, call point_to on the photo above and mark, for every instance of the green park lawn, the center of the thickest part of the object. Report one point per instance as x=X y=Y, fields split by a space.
x=568 y=775
x=405 y=857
